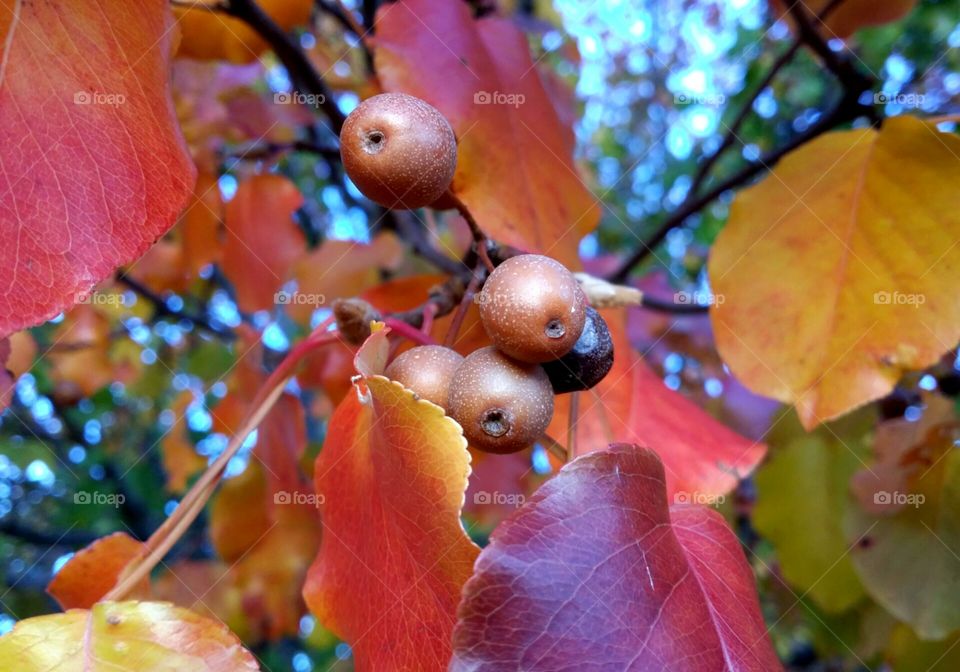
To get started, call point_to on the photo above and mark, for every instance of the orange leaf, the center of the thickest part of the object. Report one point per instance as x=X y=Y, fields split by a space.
x=515 y=169
x=271 y=576
x=837 y=272
x=100 y=170
x=200 y=225
x=850 y=15
x=340 y=269
x=281 y=442
x=394 y=555
x=632 y=405
x=23 y=353
x=239 y=515
x=87 y=367
x=263 y=241
x=211 y=35
x=94 y=570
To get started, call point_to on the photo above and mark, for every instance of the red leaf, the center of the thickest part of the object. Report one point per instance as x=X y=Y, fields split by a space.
x=263 y=241
x=94 y=168
x=596 y=573
x=394 y=555
x=632 y=405
x=281 y=442
x=515 y=169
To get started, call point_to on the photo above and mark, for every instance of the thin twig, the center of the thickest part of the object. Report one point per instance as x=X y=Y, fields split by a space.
x=479 y=237
x=461 y=314
x=553 y=447
x=572 y=420
x=414 y=233
x=409 y=332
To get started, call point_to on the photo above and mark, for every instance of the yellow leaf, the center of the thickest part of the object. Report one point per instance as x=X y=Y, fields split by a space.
x=838 y=271
x=123 y=637
x=802 y=497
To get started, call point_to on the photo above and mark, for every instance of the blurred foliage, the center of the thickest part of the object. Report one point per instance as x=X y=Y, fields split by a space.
x=636 y=65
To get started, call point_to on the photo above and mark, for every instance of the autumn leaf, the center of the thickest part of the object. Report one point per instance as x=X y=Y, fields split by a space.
x=263 y=241
x=597 y=572
x=515 y=170
x=394 y=556
x=849 y=16
x=903 y=551
x=702 y=457
x=240 y=514
x=82 y=361
x=836 y=273
x=807 y=478
x=125 y=637
x=199 y=226
x=909 y=652
x=904 y=451
x=341 y=269
x=212 y=35
x=94 y=570
x=100 y=170
x=205 y=587
x=270 y=576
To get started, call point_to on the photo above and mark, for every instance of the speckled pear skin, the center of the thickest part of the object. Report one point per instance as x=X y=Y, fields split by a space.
x=399 y=151
x=427 y=370
x=502 y=405
x=532 y=308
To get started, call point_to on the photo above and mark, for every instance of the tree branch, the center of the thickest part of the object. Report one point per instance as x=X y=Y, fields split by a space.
x=411 y=230
x=734 y=129
x=30 y=535
x=162 y=309
x=846 y=110
x=302 y=73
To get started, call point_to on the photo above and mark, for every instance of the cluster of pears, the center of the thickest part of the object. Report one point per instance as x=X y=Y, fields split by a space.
x=547 y=341
x=401 y=153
